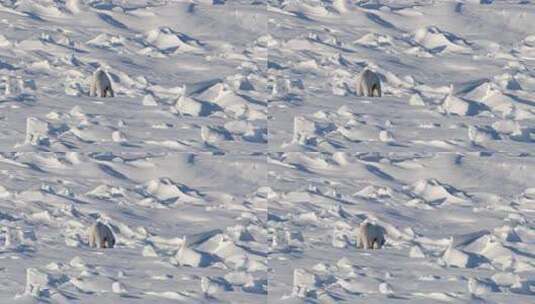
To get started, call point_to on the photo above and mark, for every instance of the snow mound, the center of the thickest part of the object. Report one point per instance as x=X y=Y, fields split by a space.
x=211 y=134
x=4 y=42
x=435 y=192
x=167 y=40
x=458 y=258
x=308 y=131
x=375 y=40
x=213 y=285
x=165 y=189
x=436 y=40
x=108 y=41
x=480 y=135
x=189 y=106
x=191 y=257
x=459 y=106
x=37 y=282
x=37 y=131
x=480 y=287
x=304 y=282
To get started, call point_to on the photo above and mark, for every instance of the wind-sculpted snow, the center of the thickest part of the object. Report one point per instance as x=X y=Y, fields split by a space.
x=446 y=68
x=267 y=151
x=176 y=68
x=187 y=226
x=454 y=230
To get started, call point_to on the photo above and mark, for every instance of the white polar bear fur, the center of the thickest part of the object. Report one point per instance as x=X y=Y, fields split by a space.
x=101 y=236
x=368 y=84
x=371 y=236
x=101 y=85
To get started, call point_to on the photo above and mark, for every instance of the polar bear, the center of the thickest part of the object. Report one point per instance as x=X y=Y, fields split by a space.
x=101 y=85
x=371 y=236
x=368 y=84
x=101 y=236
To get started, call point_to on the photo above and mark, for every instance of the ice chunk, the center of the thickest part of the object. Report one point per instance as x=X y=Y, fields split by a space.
x=416 y=252
x=190 y=257
x=458 y=106
x=37 y=131
x=304 y=282
x=36 y=282
x=189 y=106
x=211 y=286
x=148 y=251
x=457 y=258
x=118 y=288
x=479 y=287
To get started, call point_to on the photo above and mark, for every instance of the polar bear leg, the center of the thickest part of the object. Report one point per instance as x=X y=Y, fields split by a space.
x=107 y=238
x=376 y=90
x=93 y=89
x=365 y=239
x=92 y=241
x=370 y=243
x=360 y=88
x=95 y=236
x=363 y=235
x=369 y=91
x=103 y=90
x=97 y=88
x=364 y=91
x=110 y=91
x=109 y=242
x=375 y=244
x=378 y=243
x=98 y=240
x=368 y=87
x=364 y=244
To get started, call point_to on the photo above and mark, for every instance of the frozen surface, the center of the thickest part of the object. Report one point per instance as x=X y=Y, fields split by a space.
x=177 y=68
x=456 y=231
x=456 y=75
x=236 y=162
x=165 y=211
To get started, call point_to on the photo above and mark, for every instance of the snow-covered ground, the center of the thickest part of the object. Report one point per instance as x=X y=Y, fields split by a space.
x=457 y=76
x=190 y=228
x=236 y=162
x=187 y=77
x=450 y=219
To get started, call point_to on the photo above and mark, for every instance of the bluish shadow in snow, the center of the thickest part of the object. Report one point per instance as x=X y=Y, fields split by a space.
x=459 y=8
x=112 y=172
x=376 y=171
x=34 y=16
x=111 y=21
x=380 y=21
x=199 y=87
x=7 y=66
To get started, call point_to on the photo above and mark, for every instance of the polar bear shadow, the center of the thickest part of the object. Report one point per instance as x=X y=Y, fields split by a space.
x=368 y=84
x=101 y=85
x=101 y=236
x=370 y=236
